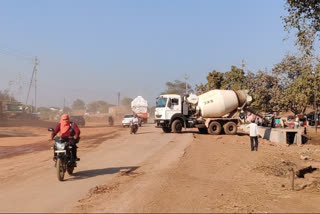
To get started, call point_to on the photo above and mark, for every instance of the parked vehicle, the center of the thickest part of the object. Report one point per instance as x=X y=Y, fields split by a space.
x=79 y=120
x=214 y=111
x=139 y=106
x=64 y=160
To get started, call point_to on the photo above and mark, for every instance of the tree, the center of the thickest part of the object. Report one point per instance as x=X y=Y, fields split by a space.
x=78 y=104
x=296 y=79
x=234 y=79
x=264 y=91
x=214 y=81
x=177 y=87
x=304 y=17
x=98 y=106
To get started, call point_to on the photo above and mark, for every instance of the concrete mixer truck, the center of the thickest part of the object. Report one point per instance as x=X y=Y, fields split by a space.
x=213 y=112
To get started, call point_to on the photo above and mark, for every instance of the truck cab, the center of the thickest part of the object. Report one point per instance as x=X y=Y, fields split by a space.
x=167 y=105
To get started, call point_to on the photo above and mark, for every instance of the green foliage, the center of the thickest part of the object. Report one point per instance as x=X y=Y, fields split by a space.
x=295 y=83
x=78 y=104
x=214 y=81
x=234 y=79
x=304 y=17
x=291 y=86
x=98 y=106
x=177 y=87
x=264 y=90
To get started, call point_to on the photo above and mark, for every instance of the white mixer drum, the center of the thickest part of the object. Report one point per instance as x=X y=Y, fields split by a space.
x=217 y=103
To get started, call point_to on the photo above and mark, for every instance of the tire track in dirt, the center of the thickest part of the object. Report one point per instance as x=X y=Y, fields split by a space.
x=89 y=141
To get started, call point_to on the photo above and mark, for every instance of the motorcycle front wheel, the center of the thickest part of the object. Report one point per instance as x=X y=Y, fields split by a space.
x=70 y=170
x=60 y=170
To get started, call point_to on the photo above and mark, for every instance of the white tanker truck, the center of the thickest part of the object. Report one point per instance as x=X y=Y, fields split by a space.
x=213 y=112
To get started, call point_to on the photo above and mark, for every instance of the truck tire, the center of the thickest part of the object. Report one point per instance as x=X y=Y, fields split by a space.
x=166 y=129
x=230 y=128
x=203 y=130
x=214 y=128
x=177 y=126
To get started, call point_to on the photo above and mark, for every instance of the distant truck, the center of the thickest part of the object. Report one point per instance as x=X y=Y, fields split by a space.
x=139 y=106
x=213 y=112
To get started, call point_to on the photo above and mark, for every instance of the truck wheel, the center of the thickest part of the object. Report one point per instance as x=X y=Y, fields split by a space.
x=230 y=128
x=166 y=129
x=177 y=126
x=214 y=128
x=203 y=130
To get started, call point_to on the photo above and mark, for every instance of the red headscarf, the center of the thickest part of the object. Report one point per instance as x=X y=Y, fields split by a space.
x=64 y=124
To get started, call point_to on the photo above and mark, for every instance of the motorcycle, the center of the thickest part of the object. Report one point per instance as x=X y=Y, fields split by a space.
x=133 y=128
x=64 y=160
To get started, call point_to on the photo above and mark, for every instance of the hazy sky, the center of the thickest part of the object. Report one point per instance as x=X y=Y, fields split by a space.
x=93 y=49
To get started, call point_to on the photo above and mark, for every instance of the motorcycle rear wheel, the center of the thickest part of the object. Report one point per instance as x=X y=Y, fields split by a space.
x=60 y=170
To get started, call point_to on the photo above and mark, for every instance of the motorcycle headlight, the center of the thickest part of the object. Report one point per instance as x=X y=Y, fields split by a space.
x=60 y=146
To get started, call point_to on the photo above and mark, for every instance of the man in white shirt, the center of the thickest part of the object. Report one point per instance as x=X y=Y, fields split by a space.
x=253 y=135
x=135 y=120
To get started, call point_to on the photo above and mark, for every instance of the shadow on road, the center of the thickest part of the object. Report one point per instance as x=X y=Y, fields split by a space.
x=96 y=172
x=242 y=134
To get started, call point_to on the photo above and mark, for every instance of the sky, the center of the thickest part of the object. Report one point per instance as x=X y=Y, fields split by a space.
x=92 y=50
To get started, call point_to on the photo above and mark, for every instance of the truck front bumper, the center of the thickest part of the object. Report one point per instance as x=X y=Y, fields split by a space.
x=162 y=123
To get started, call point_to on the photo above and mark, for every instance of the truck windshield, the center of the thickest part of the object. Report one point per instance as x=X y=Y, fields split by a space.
x=161 y=102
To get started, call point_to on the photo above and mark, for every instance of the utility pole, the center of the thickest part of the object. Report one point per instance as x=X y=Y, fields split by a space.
x=118 y=98
x=36 y=62
x=243 y=64
x=315 y=107
x=186 y=77
x=33 y=78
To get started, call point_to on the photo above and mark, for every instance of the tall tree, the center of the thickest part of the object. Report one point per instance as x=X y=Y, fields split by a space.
x=78 y=104
x=296 y=79
x=304 y=17
x=264 y=90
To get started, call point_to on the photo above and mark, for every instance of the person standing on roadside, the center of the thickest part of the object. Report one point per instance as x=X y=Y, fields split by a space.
x=253 y=135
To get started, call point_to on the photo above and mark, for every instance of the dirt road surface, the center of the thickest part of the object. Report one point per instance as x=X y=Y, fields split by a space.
x=156 y=172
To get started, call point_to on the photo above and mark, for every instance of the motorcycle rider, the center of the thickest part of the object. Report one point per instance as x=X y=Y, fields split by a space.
x=135 y=121
x=68 y=129
x=110 y=119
